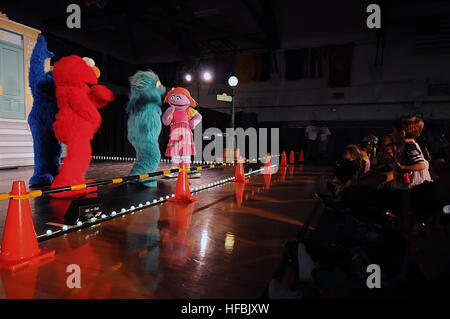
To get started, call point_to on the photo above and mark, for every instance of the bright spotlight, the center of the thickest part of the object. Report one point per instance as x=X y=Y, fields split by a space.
x=232 y=81
x=188 y=77
x=207 y=76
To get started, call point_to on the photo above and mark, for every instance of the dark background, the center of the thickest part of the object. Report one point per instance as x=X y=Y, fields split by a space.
x=174 y=37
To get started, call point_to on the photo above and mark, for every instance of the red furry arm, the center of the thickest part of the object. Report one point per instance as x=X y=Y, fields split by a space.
x=83 y=106
x=100 y=95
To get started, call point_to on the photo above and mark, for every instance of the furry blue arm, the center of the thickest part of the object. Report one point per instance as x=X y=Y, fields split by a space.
x=37 y=63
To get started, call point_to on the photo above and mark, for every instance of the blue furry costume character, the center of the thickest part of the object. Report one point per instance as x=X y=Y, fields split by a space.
x=144 y=123
x=47 y=149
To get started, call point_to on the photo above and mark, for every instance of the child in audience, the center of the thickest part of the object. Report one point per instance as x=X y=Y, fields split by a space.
x=349 y=168
x=386 y=154
x=410 y=168
x=364 y=150
x=371 y=138
x=381 y=174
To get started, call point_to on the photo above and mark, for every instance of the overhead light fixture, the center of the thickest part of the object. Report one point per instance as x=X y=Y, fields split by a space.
x=188 y=77
x=233 y=81
x=207 y=76
x=446 y=209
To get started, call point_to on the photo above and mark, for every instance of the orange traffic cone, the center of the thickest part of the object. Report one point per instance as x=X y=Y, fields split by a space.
x=283 y=160
x=283 y=173
x=301 y=158
x=291 y=158
x=268 y=166
x=19 y=246
x=239 y=193
x=267 y=179
x=179 y=216
x=182 y=192
x=239 y=176
x=178 y=240
x=21 y=284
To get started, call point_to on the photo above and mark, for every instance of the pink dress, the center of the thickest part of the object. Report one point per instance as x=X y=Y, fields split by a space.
x=181 y=141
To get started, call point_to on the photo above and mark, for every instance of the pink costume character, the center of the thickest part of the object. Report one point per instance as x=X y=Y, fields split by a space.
x=182 y=119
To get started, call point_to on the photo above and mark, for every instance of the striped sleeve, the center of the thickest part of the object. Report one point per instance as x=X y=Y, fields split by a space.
x=413 y=154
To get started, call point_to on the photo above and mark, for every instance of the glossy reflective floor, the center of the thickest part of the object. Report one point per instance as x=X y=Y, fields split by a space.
x=48 y=213
x=225 y=245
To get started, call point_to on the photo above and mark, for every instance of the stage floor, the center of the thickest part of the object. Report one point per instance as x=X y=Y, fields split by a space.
x=48 y=212
x=225 y=245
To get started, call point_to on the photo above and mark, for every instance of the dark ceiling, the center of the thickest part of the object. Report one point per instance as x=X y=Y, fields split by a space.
x=172 y=30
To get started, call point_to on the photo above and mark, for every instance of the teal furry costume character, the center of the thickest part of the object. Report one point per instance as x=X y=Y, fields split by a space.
x=144 y=123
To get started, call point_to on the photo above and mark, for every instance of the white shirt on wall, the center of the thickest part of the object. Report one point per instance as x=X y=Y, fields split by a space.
x=312 y=132
x=324 y=132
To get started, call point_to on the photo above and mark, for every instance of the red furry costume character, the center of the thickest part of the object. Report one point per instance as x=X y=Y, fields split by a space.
x=78 y=119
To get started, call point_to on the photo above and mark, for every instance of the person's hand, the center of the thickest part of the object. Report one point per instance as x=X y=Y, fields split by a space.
x=166 y=116
x=170 y=110
x=399 y=167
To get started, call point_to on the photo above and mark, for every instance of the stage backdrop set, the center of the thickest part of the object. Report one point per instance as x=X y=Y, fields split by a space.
x=66 y=99
x=37 y=93
x=16 y=46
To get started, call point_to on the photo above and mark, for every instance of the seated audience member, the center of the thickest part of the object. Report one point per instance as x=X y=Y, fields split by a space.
x=443 y=147
x=411 y=168
x=442 y=156
x=371 y=138
x=365 y=150
x=382 y=173
x=443 y=182
x=349 y=168
x=385 y=158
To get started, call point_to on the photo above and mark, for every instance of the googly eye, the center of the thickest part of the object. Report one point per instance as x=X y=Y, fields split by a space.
x=89 y=61
x=178 y=98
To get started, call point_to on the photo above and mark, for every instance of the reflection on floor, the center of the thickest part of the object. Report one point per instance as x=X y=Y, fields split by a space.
x=48 y=211
x=225 y=245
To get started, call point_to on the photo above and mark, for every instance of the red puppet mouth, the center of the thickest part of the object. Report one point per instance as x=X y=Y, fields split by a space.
x=180 y=105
